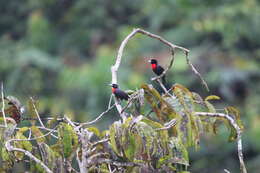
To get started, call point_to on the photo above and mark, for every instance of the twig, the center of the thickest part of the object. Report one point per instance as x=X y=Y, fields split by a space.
x=109 y=167
x=96 y=119
x=165 y=90
x=38 y=116
x=196 y=71
x=94 y=156
x=115 y=67
x=168 y=125
x=38 y=137
x=47 y=129
x=30 y=133
x=100 y=142
x=10 y=148
x=128 y=102
x=116 y=163
x=51 y=118
x=3 y=103
x=162 y=86
x=226 y=171
x=110 y=101
x=36 y=112
x=148 y=114
x=239 y=134
x=81 y=161
x=69 y=121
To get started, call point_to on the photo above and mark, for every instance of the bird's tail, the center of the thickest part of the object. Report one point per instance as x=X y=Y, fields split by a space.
x=164 y=80
x=165 y=83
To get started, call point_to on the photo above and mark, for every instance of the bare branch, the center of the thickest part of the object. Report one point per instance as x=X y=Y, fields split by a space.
x=110 y=101
x=226 y=171
x=3 y=103
x=165 y=90
x=116 y=163
x=168 y=125
x=10 y=148
x=96 y=119
x=162 y=86
x=36 y=112
x=196 y=72
x=115 y=67
x=38 y=116
x=38 y=137
x=100 y=142
x=239 y=135
x=69 y=121
x=133 y=96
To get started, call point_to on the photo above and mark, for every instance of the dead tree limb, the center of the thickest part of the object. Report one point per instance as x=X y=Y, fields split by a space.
x=239 y=135
x=115 y=67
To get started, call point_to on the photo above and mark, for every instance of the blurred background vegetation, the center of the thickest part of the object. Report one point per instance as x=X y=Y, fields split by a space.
x=60 y=51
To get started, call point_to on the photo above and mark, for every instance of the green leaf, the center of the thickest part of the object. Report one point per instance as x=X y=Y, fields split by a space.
x=68 y=139
x=152 y=123
x=235 y=115
x=153 y=97
x=25 y=144
x=130 y=149
x=180 y=153
x=23 y=129
x=7 y=159
x=94 y=130
x=163 y=160
x=38 y=134
x=210 y=107
x=212 y=97
x=31 y=109
x=112 y=137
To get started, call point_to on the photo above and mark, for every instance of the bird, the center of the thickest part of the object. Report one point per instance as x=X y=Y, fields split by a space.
x=157 y=69
x=121 y=95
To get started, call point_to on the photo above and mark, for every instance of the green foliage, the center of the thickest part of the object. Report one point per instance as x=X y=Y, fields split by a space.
x=140 y=138
x=68 y=139
x=61 y=51
x=142 y=143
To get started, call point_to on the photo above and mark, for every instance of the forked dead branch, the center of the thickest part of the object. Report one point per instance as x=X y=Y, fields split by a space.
x=172 y=48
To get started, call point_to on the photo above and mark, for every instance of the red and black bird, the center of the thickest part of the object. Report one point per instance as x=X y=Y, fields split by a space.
x=157 y=69
x=121 y=95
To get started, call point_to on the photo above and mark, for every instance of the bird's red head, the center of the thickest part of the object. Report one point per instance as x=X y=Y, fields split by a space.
x=153 y=63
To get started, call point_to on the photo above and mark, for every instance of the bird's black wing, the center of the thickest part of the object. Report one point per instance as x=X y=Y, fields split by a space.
x=121 y=94
x=159 y=70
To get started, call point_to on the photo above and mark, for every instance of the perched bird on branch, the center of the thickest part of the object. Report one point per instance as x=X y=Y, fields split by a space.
x=119 y=93
x=157 y=69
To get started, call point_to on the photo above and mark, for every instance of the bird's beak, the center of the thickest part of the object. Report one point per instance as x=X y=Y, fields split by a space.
x=149 y=61
x=109 y=84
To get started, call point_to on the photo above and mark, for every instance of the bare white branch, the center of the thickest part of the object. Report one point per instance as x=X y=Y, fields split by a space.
x=196 y=72
x=10 y=148
x=39 y=118
x=239 y=134
x=115 y=67
x=226 y=171
x=36 y=112
x=38 y=137
x=100 y=116
x=3 y=103
x=168 y=125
